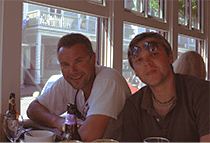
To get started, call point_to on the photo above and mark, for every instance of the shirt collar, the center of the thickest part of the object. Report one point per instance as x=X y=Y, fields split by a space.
x=147 y=100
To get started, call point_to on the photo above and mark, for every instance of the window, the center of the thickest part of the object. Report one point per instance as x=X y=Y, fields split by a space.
x=186 y=43
x=155 y=8
x=135 y=5
x=42 y=28
x=182 y=12
x=151 y=8
x=190 y=13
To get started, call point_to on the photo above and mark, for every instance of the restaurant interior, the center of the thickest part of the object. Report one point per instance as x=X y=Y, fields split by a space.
x=30 y=30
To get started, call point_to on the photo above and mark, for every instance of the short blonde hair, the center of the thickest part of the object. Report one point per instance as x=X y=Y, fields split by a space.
x=190 y=63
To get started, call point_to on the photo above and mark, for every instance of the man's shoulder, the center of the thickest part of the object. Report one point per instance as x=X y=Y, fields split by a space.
x=138 y=96
x=191 y=80
x=100 y=69
x=56 y=81
x=192 y=84
x=107 y=73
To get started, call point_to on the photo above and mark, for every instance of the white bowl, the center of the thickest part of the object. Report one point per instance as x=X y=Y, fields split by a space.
x=106 y=140
x=39 y=136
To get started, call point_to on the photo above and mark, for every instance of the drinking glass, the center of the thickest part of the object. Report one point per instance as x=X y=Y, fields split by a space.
x=155 y=139
x=13 y=128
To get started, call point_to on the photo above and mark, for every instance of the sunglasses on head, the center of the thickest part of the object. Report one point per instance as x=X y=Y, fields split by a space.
x=150 y=46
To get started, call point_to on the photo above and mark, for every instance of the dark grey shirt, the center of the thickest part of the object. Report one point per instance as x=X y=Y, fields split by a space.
x=187 y=121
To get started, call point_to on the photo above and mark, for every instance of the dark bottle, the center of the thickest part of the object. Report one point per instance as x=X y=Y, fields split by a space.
x=11 y=112
x=71 y=128
x=10 y=122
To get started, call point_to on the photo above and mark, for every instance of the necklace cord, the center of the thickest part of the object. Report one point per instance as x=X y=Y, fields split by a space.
x=166 y=102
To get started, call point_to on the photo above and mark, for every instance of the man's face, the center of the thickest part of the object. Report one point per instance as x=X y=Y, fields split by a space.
x=77 y=65
x=151 y=62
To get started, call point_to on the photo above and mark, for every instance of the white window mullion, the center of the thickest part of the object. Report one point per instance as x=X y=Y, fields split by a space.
x=146 y=8
x=161 y=9
x=189 y=15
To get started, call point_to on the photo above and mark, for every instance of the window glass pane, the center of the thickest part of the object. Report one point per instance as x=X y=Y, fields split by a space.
x=154 y=8
x=129 y=32
x=182 y=12
x=190 y=13
x=135 y=5
x=186 y=43
x=42 y=28
x=195 y=14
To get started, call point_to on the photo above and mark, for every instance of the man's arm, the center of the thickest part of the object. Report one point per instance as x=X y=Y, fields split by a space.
x=205 y=138
x=93 y=127
x=41 y=115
